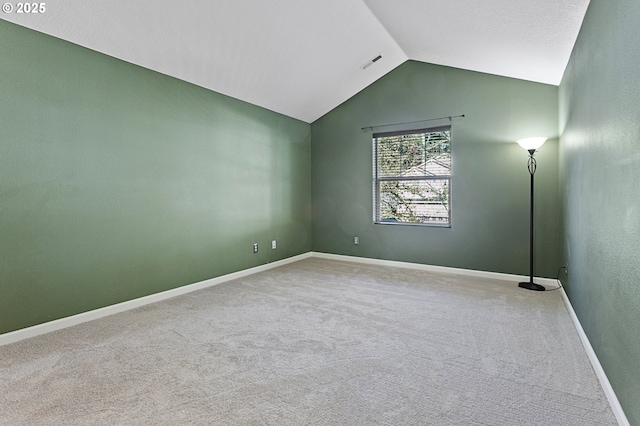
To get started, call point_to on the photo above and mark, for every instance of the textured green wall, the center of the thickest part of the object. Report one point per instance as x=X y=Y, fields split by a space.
x=490 y=183
x=117 y=182
x=600 y=165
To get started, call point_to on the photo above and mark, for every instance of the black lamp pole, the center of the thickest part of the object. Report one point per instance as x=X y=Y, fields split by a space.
x=531 y=285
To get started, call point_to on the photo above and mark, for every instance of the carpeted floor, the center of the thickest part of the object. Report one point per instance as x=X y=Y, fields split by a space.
x=316 y=342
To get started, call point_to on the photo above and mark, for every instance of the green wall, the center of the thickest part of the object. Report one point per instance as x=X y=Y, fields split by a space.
x=600 y=165
x=118 y=182
x=490 y=183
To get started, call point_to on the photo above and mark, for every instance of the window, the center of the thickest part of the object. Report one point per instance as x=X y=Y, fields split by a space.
x=412 y=177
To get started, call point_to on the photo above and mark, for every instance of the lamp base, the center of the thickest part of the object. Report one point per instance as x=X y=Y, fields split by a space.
x=531 y=286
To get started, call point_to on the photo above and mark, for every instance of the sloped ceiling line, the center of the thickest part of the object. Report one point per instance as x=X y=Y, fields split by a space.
x=303 y=59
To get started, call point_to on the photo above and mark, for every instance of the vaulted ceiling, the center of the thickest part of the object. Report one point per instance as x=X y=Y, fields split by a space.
x=302 y=58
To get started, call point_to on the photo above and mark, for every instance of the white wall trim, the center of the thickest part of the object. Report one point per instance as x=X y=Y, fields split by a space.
x=595 y=363
x=36 y=330
x=547 y=282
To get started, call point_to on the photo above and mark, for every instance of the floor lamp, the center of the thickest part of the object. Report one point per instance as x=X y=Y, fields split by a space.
x=531 y=145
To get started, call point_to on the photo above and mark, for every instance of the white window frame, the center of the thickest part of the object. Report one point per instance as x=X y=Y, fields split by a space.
x=426 y=177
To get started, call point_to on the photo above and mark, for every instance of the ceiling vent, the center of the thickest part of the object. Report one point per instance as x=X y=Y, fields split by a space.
x=371 y=62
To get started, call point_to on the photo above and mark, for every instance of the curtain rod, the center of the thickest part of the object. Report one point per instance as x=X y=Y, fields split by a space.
x=450 y=117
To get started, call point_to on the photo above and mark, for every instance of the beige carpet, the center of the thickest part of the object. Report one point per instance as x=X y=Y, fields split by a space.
x=316 y=342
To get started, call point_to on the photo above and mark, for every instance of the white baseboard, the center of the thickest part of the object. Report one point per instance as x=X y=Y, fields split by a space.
x=61 y=323
x=547 y=282
x=70 y=321
x=595 y=363
x=602 y=377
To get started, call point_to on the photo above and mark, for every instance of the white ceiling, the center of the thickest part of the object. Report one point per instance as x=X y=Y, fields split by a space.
x=302 y=58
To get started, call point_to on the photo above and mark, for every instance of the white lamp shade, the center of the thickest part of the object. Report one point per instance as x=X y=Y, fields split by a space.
x=531 y=143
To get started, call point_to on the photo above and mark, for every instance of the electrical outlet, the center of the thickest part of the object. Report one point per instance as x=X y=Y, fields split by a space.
x=273 y=244
x=255 y=247
x=356 y=241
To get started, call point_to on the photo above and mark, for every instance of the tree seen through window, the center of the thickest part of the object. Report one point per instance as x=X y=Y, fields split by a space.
x=412 y=181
